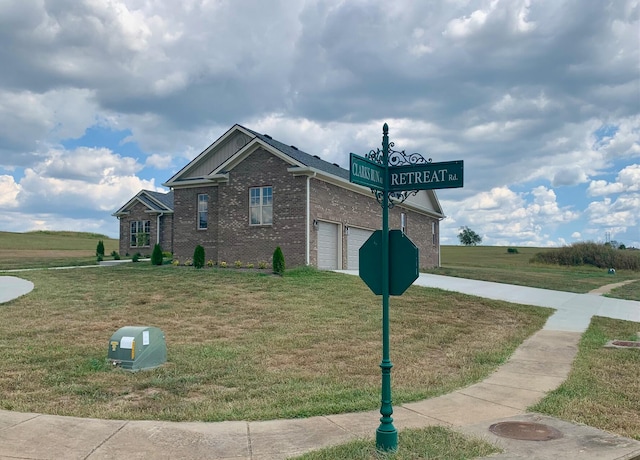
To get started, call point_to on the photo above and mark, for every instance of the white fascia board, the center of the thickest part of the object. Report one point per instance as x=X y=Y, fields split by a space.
x=340 y=182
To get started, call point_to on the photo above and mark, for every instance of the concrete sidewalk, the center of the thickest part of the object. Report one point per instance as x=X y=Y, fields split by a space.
x=539 y=365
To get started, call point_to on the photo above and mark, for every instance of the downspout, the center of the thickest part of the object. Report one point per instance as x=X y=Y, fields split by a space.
x=158 y=227
x=308 y=217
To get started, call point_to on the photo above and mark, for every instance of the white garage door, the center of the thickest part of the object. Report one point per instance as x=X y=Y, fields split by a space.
x=356 y=238
x=327 y=246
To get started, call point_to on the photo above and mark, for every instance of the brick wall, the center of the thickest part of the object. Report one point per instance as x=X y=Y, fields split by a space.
x=335 y=204
x=229 y=237
x=186 y=235
x=247 y=243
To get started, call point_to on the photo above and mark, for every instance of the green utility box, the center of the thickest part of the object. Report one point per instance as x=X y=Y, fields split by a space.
x=134 y=348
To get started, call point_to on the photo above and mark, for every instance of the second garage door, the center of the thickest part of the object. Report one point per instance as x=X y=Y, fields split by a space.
x=356 y=238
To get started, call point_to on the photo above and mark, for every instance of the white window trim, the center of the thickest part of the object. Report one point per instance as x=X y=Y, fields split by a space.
x=206 y=212
x=260 y=205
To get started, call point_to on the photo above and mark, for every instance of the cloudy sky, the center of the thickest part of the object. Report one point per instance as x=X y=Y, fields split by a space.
x=540 y=98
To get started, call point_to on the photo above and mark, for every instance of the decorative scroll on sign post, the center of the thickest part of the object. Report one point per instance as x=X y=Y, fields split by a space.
x=389 y=261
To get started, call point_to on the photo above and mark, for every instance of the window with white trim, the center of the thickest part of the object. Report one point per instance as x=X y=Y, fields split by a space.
x=203 y=211
x=433 y=232
x=140 y=233
x=261 y=206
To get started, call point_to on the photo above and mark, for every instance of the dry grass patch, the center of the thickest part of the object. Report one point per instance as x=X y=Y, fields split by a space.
x=242 y=345
x=603 y=386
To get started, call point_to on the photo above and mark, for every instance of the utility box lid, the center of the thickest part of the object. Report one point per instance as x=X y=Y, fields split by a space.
x=134 y=348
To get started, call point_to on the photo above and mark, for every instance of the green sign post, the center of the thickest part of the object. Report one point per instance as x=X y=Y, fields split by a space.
x=389 y=261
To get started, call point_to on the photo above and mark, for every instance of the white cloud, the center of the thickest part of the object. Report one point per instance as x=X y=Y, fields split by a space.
x=9 y=191
x=628 y=180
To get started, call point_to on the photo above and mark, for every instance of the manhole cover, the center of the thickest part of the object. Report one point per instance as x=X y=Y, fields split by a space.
x=525 y=431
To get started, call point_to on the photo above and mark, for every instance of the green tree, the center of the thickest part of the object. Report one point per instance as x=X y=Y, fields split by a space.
x=100 y=249
x=156 y=255
x=198 y=257
x=278 y=261
x=468 y=237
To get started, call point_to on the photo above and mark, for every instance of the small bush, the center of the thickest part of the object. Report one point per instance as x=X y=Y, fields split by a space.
x=167 y=255
x=175 y=262
x=278 y=261
x=249 y=265
x=210 y=263
x=135 y=257
x=188 y=263
x=99 y=258
x=156 y=255
x=512 y=250
x=237 y=264
x=100 y=249
x=262 y=265
x=223 y=264
x=198 y=257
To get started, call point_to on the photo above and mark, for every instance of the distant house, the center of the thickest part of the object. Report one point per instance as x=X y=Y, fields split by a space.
x=247 y=193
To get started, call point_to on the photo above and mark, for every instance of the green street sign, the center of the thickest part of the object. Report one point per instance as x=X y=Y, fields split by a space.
x=447 y=174
x=403 y=262
x=366 y=172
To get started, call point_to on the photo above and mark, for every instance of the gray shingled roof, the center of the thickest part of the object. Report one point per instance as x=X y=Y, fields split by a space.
x=165 y=198
x=303 y=157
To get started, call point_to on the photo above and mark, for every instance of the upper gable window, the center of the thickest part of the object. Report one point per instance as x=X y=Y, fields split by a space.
x=203 y=211
x=261 y=206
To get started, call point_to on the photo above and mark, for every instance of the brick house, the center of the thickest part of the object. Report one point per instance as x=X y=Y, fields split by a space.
x=247 y=193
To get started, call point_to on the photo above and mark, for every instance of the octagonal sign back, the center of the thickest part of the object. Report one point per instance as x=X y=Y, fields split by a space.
x=403 y=262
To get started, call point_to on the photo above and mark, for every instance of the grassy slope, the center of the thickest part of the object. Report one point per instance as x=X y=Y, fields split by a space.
x=50 y=249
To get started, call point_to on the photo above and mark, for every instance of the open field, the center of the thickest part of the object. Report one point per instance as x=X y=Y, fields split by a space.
x=242 y=345
x=50 y=249
x=494 y=263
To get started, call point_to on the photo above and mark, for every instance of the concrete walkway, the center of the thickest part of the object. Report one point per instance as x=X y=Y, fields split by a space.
x=539 y=365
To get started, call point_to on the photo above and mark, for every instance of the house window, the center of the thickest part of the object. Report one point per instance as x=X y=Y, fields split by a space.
x=261 y=206
x=140 y=233
x=433 y=232
x=403 y=222
x=203 y=211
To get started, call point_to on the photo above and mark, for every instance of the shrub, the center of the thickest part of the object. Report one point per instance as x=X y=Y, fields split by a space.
x=278 y=261
x=99 y=258
x=262 y=264
x=249 y=265
x=237 y=264
x=135 y=257
x=167 y=255
x=512 y=250
x=188 y=262
x=175 y=262
x=198 y=257
x=100 y=249
x=223 y=264
x=598 y=255
x=210 y=263
x=156 y=255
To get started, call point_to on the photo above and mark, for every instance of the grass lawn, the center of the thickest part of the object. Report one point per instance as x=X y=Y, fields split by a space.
x=629 y=291
x=494 y=263
x=428 y=443
x=242 y=345
x=603 y=388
